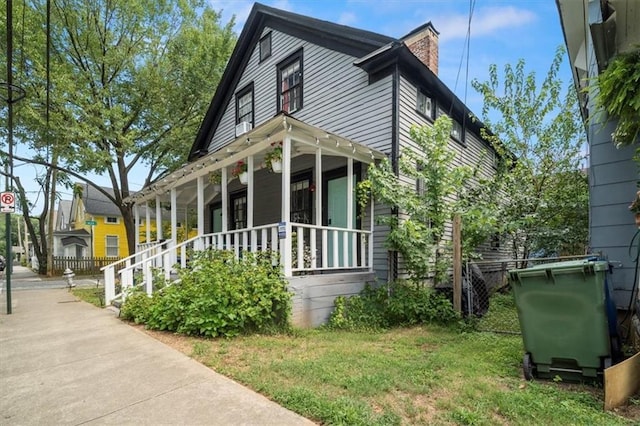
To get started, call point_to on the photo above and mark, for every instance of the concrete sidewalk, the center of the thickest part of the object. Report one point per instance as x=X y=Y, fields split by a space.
x=63 y=361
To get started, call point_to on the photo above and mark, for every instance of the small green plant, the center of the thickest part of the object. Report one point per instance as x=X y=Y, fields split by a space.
x=398 y=303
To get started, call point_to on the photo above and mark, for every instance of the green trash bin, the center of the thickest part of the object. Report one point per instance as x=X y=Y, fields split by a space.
x=562 y=309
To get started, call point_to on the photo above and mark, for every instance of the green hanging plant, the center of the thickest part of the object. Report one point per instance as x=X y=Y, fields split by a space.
x=619 y=96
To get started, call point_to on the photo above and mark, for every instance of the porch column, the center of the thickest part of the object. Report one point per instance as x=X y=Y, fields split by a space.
x=349 y=193
x=250 y=192
x=158 y=219
x=318 y=194
x=225 y=199
x=200 y=207
x=285 y=246
x=200 y=182
x=318 y=219
x=174 y=224
x=136 y=213
x=350 y=237
x=147 y=222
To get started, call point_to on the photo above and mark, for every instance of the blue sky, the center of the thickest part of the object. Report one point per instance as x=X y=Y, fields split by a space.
x=502 y=32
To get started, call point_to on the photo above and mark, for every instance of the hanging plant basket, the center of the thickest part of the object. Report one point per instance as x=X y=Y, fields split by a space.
x=273 y=159
x=240 y=171
x=618 y=92
x=276 y=166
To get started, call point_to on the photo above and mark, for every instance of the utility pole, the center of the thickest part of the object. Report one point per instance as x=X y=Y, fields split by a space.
x=8 y=167
x=14 y=94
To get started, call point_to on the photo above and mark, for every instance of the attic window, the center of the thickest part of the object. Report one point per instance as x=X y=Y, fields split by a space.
x=265 y=47
x=244 y=105
x=424 y=105
x=290 y=83
x=111 y=220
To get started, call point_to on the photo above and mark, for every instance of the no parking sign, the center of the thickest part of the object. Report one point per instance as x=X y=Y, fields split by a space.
x=7 y=202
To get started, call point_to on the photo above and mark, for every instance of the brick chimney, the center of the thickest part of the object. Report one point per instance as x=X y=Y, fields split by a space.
x=423 y=42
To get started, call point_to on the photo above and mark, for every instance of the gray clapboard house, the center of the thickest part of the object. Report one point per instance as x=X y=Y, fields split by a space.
x=595 y=31
x=333 y=99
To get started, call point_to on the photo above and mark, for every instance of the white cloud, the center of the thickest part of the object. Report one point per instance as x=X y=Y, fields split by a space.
x=238 y=8
x=347 y=18
x=283 y=4
x=485 y=22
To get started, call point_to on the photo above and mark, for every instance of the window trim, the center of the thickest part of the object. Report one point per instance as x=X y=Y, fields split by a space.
x=306 y=175
x=107 y=246
x=296 y=56
x=106 y=220
x=232 y=212
x=239 y=94
x=430 y=117
x=266 y=37
x=461 y=140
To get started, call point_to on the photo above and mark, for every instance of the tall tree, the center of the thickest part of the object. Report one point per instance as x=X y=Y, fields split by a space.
x=131 y=80
x=443 y=188
x=538 y=131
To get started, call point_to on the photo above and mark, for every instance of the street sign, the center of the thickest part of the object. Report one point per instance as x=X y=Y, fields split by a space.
x=90 y=222
x=7 y=202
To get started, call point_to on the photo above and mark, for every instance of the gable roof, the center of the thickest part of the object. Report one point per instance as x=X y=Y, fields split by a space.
x=397 y=52
x=63 y=215
x=342 y=38
x=376 y=52
x=96 y=203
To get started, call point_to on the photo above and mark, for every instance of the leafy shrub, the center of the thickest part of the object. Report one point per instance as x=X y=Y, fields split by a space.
x=136 y=307
x=219 y=295
x=395 y=304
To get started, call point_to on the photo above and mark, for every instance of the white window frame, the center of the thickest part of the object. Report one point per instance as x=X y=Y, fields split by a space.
x=425 y=105
x=108 y=222
x=107 y=246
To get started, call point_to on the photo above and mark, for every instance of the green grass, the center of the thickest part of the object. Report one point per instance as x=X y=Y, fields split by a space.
x=421 y=375
x=93 y=295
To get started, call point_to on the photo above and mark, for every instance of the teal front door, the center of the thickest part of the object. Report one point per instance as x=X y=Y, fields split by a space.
x=216 y=219
x=337 y=217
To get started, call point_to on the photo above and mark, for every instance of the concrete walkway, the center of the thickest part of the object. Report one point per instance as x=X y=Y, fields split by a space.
x=63 y=361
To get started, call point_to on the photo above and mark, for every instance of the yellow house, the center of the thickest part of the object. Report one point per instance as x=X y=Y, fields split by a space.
x=93 y=212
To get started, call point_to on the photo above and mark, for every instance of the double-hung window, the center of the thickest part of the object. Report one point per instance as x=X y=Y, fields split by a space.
x=301 y=197
x=244 y=105
x=290 y=83
x=456 y=128
x=239 y=210
x=111 y=246
x=424 y=105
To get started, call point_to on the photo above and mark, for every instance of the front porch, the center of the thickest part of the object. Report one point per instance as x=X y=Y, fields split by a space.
x=307 y=214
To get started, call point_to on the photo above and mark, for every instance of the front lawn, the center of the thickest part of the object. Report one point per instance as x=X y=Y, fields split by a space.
x=419 y=375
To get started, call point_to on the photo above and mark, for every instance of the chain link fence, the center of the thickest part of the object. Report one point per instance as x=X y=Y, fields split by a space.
x=487 y=295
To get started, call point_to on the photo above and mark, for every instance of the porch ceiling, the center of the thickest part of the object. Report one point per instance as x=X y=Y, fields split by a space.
x=257 y=142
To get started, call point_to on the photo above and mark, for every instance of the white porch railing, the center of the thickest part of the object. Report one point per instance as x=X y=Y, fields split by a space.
x=112 y=270
x=313 y=248
x=318 y=248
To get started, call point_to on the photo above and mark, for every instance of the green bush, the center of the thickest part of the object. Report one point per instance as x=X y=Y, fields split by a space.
x=394 y=304
x=136 y=307
x=218 y=295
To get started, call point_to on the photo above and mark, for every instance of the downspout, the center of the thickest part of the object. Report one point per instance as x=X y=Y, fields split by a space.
x=395 y=154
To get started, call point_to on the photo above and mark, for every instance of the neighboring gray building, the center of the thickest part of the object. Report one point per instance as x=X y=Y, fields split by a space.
x=596 y=30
